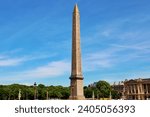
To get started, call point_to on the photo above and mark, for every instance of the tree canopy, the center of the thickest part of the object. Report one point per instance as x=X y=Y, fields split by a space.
x=101 y=89
x=11 y=92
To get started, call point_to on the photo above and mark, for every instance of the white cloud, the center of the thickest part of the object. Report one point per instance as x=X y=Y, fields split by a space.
x=7 y=61
x=127 y=29
x=113 y=77
x=98 y=60
x=11 y=62
x=115 y=55
x=144 y=46
x=106 y=33
x=125 y=42
x=2 y=57
x=52 y=69
x=55 y=68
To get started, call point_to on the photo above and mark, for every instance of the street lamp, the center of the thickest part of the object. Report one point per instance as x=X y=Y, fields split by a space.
x=35 y=91
x=19 y=94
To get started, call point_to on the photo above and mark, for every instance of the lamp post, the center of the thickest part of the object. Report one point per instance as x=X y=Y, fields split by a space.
x=19 y=94
x=47 y=95
x=110 y=96
x=123 y=92
x=93 y=95
x=35 y=91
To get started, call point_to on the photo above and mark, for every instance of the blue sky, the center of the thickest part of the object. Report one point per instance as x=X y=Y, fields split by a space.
x=35 y=40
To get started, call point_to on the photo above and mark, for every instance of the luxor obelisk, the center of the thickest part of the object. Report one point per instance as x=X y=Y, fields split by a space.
x=76 y=88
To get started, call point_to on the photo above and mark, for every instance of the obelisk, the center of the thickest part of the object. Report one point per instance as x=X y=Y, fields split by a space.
x=76 y=88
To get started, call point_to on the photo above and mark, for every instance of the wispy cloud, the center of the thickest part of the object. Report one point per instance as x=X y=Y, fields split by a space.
x=99 y=60
x=55 y=68
x=116 y=54
x=95 y=60
x=2 y=57
x=119 y=41
x=7 y=60
x=11 y=62
x=121 y=76
x=122 y=30
x=51 y=70
x=138 y=46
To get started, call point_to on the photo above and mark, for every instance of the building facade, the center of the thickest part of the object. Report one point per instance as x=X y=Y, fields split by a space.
x=118 y=87
x=137 y=89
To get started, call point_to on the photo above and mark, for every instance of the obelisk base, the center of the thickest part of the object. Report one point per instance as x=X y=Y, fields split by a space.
x=76 y=98
x=76 y=88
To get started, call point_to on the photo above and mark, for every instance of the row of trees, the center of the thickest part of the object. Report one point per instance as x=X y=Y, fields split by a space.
x=11 y=92
x=102 y=89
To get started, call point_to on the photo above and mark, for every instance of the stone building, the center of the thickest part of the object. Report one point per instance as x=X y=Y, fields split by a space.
x=118 y=87
x=137 y=89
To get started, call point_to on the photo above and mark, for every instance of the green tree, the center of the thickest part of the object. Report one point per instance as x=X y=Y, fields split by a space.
x=116 y=94
x=41 y=92
x=104 y=89
x=88 y=91
x=10 y=92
